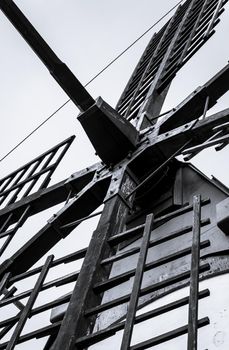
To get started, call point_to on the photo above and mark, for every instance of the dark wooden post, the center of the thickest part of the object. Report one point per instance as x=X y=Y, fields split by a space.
x=112 y=221
x=194 y=276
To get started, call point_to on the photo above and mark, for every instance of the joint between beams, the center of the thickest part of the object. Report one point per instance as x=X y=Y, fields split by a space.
x=121 y=196
x=55 y=223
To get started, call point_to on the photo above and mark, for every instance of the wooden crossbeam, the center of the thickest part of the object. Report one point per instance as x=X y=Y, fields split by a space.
x=194 y=105
x=86 y=202
x=207 y=144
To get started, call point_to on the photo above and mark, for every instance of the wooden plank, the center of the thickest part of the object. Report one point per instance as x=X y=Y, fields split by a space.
x=4 y=281
x=130 y=317
x=60 y=72
x=80 y=254
x=38 y=333
x=214 y=17
x=192 y=107
x=11 y=233
x=191 y=155
x=207 y=144
x=85 y=203
x=194 y=276
x=37 y=310
x=168 y=336
x=112 y=220
x=71 y=277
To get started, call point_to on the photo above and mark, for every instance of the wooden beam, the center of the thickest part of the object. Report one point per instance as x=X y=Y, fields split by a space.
x=193 y=106
x=48 y=197
x=132 y=308
x=86 y=202
x=194 y=276
x=27 y=309
x=112 y=220
x=60 y=72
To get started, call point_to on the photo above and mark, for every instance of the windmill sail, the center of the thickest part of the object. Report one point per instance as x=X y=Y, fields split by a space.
x=151 y=273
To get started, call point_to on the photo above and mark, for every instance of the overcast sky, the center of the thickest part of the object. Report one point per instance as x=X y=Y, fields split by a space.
x=86 y=35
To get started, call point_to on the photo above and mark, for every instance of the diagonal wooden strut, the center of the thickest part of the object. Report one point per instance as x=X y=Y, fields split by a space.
x=137 y=284
x=60 y=72
x=51 y=233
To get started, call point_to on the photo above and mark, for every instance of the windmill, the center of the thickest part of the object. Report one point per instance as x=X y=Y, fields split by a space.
x=164 y=224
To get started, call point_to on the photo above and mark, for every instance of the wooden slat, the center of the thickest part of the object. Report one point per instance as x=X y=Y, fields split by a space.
x=111 y=330
x=167 y=336
x=117 y=280
x=154 y=242
x=26 y=312
x=11 y=233
x=120 y=237
x=60 y=72
x=4 y=281
x=112 y=220
x=194 y=277
x=168 y=282
x=130 y=317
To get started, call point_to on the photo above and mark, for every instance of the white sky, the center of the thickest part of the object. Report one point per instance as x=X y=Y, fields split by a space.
x=86 y=35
